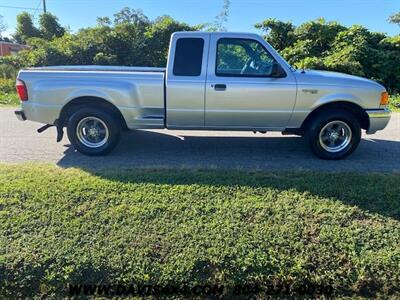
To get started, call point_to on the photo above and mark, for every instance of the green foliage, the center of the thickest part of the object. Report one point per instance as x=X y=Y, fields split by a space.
x=7 y=85
x=8 y=98
x=394 y=102
x=331 y=46
x=131 y=16
x=197 y=227
x=8 y=95
x=158 y=36
x=7 y=71
x=49 y=26
x=14 y=61
x=25 y=28
x=279 y=34
x=132 y=39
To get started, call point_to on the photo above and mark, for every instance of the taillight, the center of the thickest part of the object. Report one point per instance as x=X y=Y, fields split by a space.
x=21 y=90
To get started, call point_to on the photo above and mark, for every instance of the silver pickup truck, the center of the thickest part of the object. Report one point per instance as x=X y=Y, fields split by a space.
x=213 y=81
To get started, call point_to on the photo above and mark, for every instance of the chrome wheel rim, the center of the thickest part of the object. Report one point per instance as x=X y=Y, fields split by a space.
x=92 y=132
x=335 y=136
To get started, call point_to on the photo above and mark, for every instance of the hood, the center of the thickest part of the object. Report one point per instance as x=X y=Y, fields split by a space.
x=333 y=78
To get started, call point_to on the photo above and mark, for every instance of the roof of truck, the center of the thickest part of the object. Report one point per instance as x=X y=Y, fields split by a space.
x=215 y=33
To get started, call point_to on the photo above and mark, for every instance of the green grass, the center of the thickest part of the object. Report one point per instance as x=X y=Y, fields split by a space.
x=61 y=226
x=9 y=99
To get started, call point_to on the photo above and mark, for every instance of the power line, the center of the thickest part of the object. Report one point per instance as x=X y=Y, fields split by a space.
x=37 y=9
x=19 y=7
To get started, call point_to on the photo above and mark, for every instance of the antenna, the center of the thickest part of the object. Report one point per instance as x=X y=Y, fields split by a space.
x=302 y=66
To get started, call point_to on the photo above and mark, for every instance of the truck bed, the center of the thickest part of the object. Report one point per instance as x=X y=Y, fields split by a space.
x=99 y=68
x=138 y=92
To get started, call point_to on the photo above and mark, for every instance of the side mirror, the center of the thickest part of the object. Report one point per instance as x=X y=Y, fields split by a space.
x=277 y=71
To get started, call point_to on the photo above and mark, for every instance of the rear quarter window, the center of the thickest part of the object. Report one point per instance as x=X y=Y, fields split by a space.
x=188 y=57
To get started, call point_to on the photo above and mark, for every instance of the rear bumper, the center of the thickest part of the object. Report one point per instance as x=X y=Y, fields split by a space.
x=378 y=119
x=20 y=115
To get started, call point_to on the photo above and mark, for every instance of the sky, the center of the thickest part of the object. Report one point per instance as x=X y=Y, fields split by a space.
x=76 y=14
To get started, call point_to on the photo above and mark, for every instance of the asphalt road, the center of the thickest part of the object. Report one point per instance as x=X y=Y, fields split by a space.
x=19 y=142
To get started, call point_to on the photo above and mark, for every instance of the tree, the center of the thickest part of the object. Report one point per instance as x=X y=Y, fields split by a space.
x=132 y=39
x=279 y=34
x=25 y=28
x=319 y=34
x=219 y=21
x=395 y=19
x=330 y=46
x=103 y=21
x=49 y=26
x=132 y=16
x=222 y=18
x=158 y=36
x=3 y=27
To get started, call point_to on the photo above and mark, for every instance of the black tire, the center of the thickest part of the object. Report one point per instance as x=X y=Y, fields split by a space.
x=322 y=123
x=111 y=131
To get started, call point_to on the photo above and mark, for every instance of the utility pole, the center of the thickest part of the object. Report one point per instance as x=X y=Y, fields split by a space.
x=44 y=6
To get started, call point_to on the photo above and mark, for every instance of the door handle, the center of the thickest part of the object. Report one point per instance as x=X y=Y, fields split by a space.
x=220 y=87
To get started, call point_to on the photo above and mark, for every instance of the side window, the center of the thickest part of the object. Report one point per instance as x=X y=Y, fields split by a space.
x=243 y=57
x=188 y=57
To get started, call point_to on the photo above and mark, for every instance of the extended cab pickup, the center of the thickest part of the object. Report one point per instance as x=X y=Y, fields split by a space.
x=213 y=81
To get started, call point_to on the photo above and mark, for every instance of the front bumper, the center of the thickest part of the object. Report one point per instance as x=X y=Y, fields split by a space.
x=20 y=115
x=378 y=119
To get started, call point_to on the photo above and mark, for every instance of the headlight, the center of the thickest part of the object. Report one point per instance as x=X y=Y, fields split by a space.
x=384 y=98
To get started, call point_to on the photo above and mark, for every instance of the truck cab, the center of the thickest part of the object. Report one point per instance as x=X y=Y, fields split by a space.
x=227 y=81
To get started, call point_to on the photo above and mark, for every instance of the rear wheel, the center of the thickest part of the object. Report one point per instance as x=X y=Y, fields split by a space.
x=334 y=134
x=93 y=132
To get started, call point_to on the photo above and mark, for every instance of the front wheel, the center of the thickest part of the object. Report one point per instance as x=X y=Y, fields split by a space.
x=334 y=134
x=93 y=132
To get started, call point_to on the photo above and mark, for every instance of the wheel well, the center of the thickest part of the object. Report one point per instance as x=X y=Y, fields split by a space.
x=94 y=102
x=355 y=109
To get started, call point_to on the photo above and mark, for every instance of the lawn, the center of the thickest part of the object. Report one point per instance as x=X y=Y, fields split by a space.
x=172 y=227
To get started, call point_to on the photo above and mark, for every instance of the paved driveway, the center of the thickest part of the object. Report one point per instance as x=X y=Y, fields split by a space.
x=19 y=142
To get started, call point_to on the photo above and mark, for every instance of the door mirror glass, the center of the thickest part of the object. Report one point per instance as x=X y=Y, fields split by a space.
x=277 y=71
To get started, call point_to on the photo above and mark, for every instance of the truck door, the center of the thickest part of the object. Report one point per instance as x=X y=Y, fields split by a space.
x=241 y=91
x=185 y=81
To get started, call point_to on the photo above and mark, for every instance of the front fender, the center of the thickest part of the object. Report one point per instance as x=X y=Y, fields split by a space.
x=336 y=97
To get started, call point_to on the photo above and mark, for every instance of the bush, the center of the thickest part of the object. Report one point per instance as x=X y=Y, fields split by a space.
x=8 y=95
x=330 y=46
x=7 y=71
x=9 y=98
x=394 y=102
x=7 y=85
